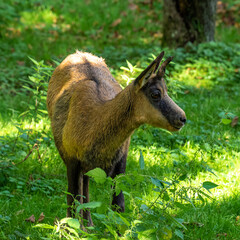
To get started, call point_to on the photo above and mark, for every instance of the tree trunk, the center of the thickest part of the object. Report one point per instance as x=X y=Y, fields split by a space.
x=188 y=20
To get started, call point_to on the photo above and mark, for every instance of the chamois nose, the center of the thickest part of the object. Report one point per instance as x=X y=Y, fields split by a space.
x=183 y=120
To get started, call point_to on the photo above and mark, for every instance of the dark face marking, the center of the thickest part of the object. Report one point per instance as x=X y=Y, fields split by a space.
x=156 y=92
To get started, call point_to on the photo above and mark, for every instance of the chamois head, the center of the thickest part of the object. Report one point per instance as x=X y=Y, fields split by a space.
x=154 y=106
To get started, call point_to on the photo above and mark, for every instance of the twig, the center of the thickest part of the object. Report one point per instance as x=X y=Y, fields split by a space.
x=30 y=152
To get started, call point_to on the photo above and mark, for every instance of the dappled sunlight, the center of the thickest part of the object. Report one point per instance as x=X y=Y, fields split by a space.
x=38 y=18
x=199 y=75
x=214 y=64
x=228 y=183
x=181 y=185
x=12 y=128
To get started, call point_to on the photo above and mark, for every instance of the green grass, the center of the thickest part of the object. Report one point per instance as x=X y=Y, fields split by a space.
x=204 y=80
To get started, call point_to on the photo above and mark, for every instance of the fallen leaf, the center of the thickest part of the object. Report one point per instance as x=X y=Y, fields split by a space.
x=20 y=63
x=234 y=121
x=133 y=6
x=117 y=35
x=222 y=234
x=116 y=22
x=123 y=13
x=31 y=219
x=41 y=217
x=237 y=221
x=157 y=35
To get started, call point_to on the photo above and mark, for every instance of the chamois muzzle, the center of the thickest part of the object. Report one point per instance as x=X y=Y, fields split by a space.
x=180 y=122
x=173 y=113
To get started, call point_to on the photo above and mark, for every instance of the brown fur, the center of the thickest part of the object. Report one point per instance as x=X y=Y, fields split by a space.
x=92 y=118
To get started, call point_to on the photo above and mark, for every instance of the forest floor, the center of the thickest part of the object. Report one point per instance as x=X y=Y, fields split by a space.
x=177 y=186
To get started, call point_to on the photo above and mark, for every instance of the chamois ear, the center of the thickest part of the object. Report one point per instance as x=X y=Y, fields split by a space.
x=142 y=79
x=162 y=68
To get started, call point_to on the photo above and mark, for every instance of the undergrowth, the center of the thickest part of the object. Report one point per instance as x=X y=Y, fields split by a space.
x=176 y=186
x=167 y=175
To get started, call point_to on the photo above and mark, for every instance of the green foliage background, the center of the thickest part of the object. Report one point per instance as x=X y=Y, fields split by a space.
x=180 y=186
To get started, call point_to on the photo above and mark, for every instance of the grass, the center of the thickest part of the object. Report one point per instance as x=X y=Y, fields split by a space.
x=204 y=80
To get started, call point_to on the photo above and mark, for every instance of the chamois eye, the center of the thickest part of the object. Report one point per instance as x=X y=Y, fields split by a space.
x=156 y=95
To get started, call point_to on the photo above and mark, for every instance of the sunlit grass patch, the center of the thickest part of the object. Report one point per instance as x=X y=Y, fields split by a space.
x=213 y=64
x=38 y=18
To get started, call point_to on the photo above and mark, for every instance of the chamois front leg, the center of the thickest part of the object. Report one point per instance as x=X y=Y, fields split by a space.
x=86 y=213
x=73 y=173
x=118 y=200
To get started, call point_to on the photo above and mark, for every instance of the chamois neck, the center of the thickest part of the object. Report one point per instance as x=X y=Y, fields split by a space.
x=117 y=121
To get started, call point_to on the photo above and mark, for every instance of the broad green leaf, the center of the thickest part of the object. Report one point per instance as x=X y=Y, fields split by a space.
x=89 y=205
x=126 y=193
x=130 y=66
x=34 y=61
x=44 y=225
x=125 y=69
x=135 y=222
x=148 y=232
x=33 y=79
x=64 y=220
x=43 y=111
x=168 y=183
x=112 y=231
x=226 y=121
x=200 y=197
x=179 y=233
x=206 y=195
x=181 y=205
x=73 y=231
x=123 y=219
x=28 y=88
x=177 y=221
x=73 y=223
x=98 y=175
x=141 y=160
x=189 y=200
x=209 y=185
x=144 y=207
x=99 y=216
x=182 y=177
x=157 y=190
x=157 y=182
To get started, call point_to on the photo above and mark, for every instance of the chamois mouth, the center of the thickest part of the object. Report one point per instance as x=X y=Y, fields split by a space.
x=177 y=128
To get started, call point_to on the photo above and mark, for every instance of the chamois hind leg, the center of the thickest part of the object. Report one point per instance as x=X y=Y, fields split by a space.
x=118 y=200
x=73 y=173
x=86 y=213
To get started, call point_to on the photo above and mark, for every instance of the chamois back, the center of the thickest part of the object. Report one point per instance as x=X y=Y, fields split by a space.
x=77 y=67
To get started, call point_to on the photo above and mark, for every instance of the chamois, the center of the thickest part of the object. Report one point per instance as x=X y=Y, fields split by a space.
x=92 y=118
